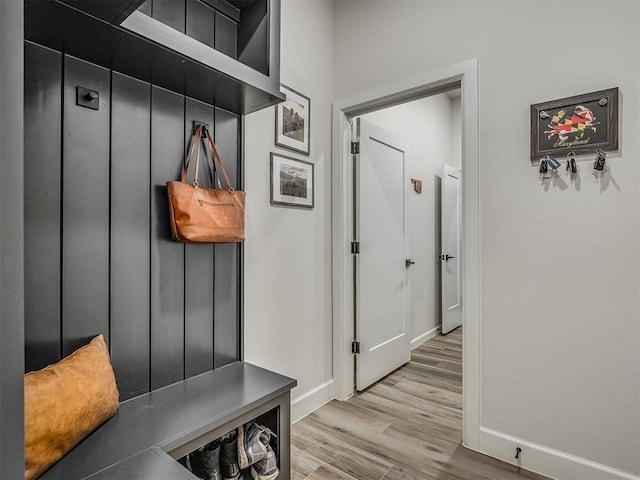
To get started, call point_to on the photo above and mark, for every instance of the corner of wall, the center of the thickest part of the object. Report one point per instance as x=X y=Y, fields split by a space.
x=312 y=400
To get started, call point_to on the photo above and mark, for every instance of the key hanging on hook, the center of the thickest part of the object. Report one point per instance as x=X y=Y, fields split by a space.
x=544 y=168
x=571 y=162
x=601 y=158
x=548 y=165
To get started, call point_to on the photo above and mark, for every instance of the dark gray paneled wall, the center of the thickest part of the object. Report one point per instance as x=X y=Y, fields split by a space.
x=98 y=251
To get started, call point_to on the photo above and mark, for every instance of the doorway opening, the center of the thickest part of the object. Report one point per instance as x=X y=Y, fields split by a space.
x=406 y=194
x=464 y=77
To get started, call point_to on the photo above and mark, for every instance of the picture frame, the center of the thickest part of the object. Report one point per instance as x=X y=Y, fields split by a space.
x=293 y=121
x=292 y=181
x=579 y=124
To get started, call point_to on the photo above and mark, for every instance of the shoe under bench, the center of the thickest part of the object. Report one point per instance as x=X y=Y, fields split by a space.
x=150 y=432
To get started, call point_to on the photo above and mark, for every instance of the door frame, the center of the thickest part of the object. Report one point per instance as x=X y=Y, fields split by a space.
x=465 y=76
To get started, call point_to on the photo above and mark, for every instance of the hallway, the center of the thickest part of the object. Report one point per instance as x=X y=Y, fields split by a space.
x=407 y=426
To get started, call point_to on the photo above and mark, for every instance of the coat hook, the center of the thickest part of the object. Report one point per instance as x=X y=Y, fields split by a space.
x=85 y=97
x=197 y=123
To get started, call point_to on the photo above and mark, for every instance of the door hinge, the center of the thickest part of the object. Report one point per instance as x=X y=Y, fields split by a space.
x=355 y=347
x=355 y=248
x=355 y=148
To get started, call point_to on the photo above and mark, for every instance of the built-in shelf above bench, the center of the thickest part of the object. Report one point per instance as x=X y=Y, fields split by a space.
x=146 y=435
x=146 y=49
x=113 y=11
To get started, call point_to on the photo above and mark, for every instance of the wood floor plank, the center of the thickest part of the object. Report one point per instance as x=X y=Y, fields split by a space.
x=383 y=447
x=433 y=359
x=427 y=370
x=455 y=367
x=345 y=412
x=418 y=403
x=437 y=352
x=331 y=449
x=327 y=472
x=437 y=395
x=425 y=359
x=297 y=475
x=408 y=426
x=304 y=465
x=397 y=473
x=425 y=379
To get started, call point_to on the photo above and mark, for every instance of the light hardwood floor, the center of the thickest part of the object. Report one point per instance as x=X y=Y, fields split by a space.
x=407 y=426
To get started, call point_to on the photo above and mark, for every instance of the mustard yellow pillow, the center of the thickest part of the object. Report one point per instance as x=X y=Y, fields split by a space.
x=65 y=402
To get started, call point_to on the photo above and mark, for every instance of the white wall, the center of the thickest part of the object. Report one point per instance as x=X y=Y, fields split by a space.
x=560 y=338
x=288 y=250
x=427 y=126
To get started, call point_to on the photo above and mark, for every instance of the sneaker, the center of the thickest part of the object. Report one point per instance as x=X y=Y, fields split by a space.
x=205 y=462
x=229 y=456
x=267 y=468
x=253 y=441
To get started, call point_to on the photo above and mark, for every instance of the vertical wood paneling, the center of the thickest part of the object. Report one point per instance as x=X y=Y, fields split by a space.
x=199 y=272
x=226 y=33
x=201 y=21
x=167 y=257
x=170 y=12
x=226 y=289
x=85 y=208
x=130 y=229
x=98 y=251
x=42 y=164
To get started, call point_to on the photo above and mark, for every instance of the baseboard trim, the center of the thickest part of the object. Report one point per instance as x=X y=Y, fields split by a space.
x=420 y=339
x=312 y=400
x=544 y=460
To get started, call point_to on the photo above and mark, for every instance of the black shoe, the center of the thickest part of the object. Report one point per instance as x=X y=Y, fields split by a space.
x=205 y=462
x=229 y=456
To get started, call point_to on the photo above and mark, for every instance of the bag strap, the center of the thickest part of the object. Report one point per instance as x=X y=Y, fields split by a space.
x=194 y=143
x=215 y=159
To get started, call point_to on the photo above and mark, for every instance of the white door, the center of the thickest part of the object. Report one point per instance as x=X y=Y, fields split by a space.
x=382 y=290
x=450 y=255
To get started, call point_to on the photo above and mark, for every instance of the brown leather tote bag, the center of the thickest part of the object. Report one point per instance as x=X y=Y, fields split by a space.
x=205 y=215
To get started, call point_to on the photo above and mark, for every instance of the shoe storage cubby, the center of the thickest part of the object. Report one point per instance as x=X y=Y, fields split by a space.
x=221 y=454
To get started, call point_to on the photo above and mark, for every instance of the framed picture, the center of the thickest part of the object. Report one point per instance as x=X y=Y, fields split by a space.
x=291 y=181
x=293 y=118
x=581 y=124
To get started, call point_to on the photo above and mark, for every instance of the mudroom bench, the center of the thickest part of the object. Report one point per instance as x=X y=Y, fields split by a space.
x=148 y=435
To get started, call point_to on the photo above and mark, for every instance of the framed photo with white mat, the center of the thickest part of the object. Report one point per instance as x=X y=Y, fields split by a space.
x=291 y=182
x=293 y=119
